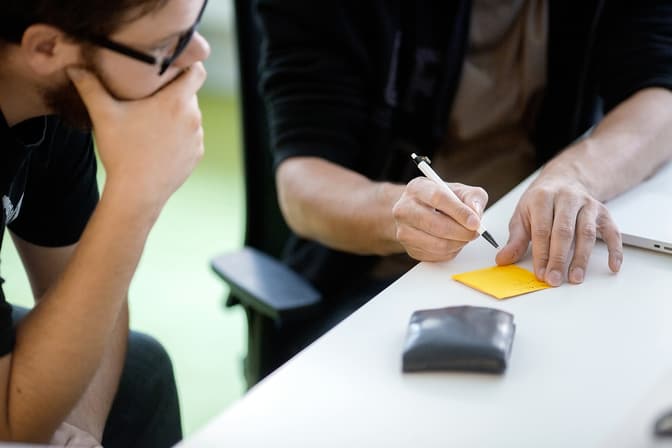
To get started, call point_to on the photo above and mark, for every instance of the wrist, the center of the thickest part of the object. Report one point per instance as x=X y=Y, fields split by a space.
x=388 y=194
x=129 y=203
x=577 y=164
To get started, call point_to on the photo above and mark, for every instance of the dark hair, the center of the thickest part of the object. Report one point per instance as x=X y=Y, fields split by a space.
x=78 y=18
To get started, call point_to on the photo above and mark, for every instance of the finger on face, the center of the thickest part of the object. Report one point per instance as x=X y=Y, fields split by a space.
x=586 y=233
x=612 y=237
x=188 y=82
x=91 y=90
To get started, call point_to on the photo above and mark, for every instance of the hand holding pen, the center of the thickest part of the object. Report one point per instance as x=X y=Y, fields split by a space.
x=431 y=223
x=424 y=166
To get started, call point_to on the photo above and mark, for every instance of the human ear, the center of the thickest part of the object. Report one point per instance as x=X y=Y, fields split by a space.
x=48 y=50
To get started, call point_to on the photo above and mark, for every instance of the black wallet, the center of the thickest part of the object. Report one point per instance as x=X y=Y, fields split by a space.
x=663 y=426
x=467 y=338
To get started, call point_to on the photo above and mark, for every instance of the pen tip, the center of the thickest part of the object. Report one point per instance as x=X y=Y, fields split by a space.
x=490 y=239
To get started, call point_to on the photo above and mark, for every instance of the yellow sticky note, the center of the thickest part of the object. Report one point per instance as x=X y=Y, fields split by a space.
x=502 y=282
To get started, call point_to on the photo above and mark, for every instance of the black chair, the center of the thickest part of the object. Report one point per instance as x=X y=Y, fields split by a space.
x=275 y=298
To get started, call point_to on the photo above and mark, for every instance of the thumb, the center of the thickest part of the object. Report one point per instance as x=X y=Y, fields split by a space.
x=516 y=246
x=93 y=93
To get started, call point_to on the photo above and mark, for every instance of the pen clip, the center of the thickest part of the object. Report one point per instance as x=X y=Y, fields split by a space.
x=419 y=159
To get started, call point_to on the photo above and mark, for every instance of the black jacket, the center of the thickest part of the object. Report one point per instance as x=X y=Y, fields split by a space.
x=364 y=83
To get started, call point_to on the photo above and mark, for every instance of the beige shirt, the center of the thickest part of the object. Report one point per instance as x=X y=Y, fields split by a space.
x=502 y=83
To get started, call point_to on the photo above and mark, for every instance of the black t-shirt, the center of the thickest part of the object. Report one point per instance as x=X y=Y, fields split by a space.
x=48 y=190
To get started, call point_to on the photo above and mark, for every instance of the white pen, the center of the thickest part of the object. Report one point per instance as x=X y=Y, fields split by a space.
x=423 y=164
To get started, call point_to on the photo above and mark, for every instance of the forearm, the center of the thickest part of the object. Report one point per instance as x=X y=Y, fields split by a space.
x=338 y=207
x=630 y=143
x=73 y=324
x=92 y=410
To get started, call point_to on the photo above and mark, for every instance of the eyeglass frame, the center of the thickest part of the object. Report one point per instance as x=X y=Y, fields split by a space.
x=182 y=43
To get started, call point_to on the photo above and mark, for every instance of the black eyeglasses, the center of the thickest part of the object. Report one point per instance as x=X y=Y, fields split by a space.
x=182 y=43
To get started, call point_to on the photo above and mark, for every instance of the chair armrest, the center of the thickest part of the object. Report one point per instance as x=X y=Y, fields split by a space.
x=262 y=283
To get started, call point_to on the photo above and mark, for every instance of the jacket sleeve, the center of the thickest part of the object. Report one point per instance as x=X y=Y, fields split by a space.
x=312 y=79
x=636 y=44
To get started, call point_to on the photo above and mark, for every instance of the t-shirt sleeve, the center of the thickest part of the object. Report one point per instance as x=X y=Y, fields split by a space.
x=61 y=190
x=635 y=39
x=312 y=80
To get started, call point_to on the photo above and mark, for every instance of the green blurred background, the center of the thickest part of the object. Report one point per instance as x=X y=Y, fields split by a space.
x=174 y=296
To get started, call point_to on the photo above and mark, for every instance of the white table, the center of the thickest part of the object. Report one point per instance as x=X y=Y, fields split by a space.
x=591 y=366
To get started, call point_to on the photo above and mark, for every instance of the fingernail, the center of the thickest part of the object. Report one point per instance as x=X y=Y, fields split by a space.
x=541 y=273
x=472 y=222
x=617 y=263
x=554 y=278
x=478 y=207
x=75 y=73
x=577 y=275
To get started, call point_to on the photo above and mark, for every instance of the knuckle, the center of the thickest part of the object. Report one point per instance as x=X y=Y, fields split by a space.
x=542 y=259
x=196 y=122
x=604 y=218
x=540 y=256
x=588 y=231
x=541 y=233
x=175 y=107
x=402 y=234
x=564 y=231
x=541 y=195
x=580 y=260
x=463 y=213
x=558 y=259
x=565 y=195
x=482 y=193
x=439 y=225
x=602 y=210
x=415 y=184
x=445 y=246
x=401 y=209
x=397 y=210
x=199 y=69
x=435 y=198
x=202 y=72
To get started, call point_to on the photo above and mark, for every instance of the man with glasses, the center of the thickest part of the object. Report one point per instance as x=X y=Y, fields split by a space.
x=70 y=372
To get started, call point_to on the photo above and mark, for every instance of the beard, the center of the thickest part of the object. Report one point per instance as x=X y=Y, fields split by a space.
x=64 y=100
